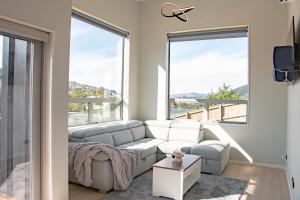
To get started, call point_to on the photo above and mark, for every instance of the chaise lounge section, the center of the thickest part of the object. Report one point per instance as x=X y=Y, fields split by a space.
x=155 y=140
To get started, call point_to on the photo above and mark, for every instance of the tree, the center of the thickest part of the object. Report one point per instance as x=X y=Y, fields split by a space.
x=83 y=92
x=190 y=106
x=224 y=92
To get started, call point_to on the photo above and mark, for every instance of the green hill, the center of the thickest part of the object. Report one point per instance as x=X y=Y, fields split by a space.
x=243 y=90
x=77 y=90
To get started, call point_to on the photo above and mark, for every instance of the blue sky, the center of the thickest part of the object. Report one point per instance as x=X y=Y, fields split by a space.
x=204 y=65
x=196 y=66
x=95 y=56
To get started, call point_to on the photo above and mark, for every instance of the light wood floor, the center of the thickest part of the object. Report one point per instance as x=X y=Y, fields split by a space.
x=263 y=184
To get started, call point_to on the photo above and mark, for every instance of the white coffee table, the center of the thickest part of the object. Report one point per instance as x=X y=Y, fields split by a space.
x=173 y=180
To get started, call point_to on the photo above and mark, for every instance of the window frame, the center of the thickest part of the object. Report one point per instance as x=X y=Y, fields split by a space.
x=116 y=31
x=193 y=36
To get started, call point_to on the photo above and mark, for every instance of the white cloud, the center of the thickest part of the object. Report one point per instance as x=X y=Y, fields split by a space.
x=209 y=71
x=93 y=68
x=77 y=31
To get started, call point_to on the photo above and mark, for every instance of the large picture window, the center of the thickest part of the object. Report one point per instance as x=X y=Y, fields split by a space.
x=208 y=75
x=96 y=71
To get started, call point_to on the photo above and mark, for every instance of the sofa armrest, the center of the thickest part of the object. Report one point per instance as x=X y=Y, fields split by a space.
x=211 y=149
x=101 y=157
x=215 y=142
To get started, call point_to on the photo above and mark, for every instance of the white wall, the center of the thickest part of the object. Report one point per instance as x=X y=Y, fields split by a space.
x=125 y=15
x=293 y=117
x=53 y=16
x=264 y=138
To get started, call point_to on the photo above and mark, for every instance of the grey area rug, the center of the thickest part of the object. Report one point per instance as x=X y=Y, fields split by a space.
x=209 y=187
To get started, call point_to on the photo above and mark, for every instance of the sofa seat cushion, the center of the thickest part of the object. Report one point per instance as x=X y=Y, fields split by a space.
x=147 y=146
x=171 y=146
x=211 y=149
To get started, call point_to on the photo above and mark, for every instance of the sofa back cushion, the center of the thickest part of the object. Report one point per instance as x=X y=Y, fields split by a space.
x=137 y=129
x=82 y=132
x=87 y=131
x=105 y=138
x=158 y=129
x=115 y=126
x=101 y=133
x=122 y=137
x=186 y=131
x=138 y=133
x=133 y=123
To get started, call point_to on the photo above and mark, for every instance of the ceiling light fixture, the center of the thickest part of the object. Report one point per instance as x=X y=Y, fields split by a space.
x=179 y=13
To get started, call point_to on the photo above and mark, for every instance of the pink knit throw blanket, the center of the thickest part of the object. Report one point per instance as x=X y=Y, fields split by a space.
x=124 y=162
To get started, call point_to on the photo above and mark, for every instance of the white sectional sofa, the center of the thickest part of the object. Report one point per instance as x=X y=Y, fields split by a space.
x=155 y=140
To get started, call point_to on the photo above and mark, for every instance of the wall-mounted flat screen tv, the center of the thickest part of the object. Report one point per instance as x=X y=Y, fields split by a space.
x=285 y=58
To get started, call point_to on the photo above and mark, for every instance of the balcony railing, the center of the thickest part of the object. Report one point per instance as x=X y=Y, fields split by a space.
x=233 y=111
x=90 y=107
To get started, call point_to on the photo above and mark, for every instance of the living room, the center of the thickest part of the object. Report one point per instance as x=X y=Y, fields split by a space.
x=171 y=62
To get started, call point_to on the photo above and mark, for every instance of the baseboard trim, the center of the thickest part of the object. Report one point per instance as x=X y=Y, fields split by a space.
x=289 y=184
x=282 y=167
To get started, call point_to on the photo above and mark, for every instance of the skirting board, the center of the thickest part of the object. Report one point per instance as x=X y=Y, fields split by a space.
x=258 y=164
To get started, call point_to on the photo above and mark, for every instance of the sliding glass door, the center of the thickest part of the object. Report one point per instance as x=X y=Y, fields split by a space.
x=20 y=85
